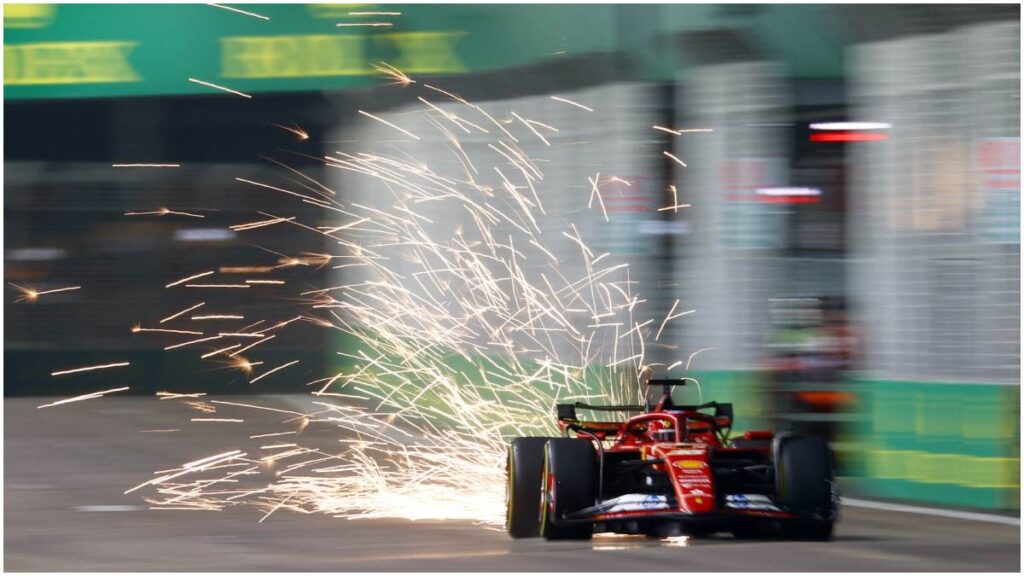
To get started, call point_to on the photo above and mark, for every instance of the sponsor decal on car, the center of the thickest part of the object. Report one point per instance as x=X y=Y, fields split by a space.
x=686 y=453
x=749 y=502
x=634 y=502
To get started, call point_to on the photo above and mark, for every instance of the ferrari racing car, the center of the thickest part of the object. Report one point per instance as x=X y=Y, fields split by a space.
x=667 y=471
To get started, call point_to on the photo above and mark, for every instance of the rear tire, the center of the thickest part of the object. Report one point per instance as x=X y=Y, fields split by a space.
x=569 y=483
x=804 y=485
x=522 y=497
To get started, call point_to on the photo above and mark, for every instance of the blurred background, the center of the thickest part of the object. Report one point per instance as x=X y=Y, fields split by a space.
x=852 y=248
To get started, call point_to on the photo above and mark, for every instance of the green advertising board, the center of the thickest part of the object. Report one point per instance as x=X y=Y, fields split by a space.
x=103 y=50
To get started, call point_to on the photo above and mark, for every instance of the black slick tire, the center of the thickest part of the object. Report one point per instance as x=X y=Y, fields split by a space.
x=804 y=485
x=568 y=484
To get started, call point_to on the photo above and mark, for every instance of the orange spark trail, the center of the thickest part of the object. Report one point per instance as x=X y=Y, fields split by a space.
x=678 y=161
x=90 y=368
x=217 y=286
x=185 y=311
x=173 y=395
x=254 y=344
x=217 y=420
x=162 y=211
x=215 y=352
x=169 y=331
x=31 y=294
x=253 y=14
x=370 y=24
x=197 y=341
x=385 y=122
x=576 y=104
x=271 y=371
x=395 y=74
x=183 y=280
x=89 y=396
x=301 y=134
x=218 y=87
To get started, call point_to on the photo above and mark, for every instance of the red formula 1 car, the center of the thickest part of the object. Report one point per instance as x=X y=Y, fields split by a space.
x=671 y=470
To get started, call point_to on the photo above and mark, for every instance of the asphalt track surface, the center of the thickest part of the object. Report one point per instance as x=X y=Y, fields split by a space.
x=65 y=469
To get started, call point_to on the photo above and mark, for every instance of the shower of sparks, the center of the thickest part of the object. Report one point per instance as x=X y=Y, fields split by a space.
x=193 y=277
x=89 y=396
x=385 y=122
x=576 y=104
x=218 y=87
x=677 y=160
x=253 y=14
x=145 y=165
x=90 y=368
x=31 y=294
x=162 y=211
x=301 y=134
x=464 y=337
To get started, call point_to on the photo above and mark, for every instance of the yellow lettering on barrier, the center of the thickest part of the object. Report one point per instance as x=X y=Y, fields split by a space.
x=425 y=52
x=309 y=56
x=28 y=15
x=934 y=468
x=68 y=63
x=293 y=56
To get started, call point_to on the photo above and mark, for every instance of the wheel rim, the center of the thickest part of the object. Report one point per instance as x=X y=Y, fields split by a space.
x=509 y=487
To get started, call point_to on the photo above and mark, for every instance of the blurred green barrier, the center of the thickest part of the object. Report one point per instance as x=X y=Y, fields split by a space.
x=949 y=444
x=742 y=388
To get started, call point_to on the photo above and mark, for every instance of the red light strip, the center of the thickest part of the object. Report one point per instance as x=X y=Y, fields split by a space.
x=848 y=137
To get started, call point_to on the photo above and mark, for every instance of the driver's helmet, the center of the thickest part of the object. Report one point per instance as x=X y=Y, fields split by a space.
x=664 y=435
x=662 y=431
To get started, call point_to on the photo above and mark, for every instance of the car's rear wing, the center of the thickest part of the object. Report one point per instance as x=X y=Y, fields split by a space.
x=568 y=411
